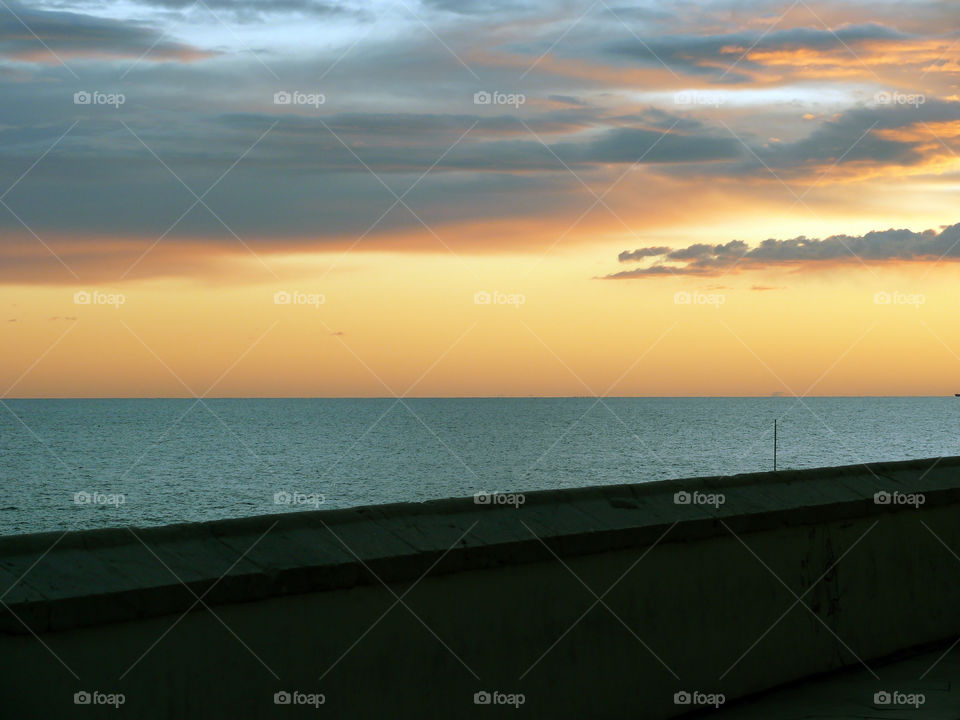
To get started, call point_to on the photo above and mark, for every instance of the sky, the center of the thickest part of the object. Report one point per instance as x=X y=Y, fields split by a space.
x=395 y=198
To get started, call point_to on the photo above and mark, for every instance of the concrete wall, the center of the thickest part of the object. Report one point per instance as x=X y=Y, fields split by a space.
x=795 y=573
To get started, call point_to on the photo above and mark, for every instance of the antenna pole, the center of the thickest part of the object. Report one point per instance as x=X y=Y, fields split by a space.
x=774 y=445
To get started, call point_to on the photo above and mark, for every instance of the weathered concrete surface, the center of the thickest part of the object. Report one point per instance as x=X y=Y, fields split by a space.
x=795 y=573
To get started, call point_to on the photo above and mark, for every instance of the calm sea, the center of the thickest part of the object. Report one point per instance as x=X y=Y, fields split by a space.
x=100 y=463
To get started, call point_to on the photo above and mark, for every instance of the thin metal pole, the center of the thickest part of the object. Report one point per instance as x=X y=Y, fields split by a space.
x=774 y=445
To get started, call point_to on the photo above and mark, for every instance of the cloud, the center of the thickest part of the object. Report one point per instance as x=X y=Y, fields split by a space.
x=72 y=35
x=639 y=254
x=241 y=11
x=631 y=145
x=320 y=7
x=400 y=100
x=730 y=57
x=480 y=7
x=879 y=246
x=309 y=177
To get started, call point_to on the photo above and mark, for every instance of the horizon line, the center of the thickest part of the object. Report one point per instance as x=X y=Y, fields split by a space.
x=780 y=396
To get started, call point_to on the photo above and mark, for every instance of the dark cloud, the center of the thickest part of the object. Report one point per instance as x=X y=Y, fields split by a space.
x=411 y=142
x=481 y=7
x=300 y=180
x=629 y=12
x=70 y=34
x=883 y=245
x=406 y=129
x=656 y=270
x=629 y=145
x=852 y=138
x=236 y=10
x=861 y=137
x=305 y=6
x=568 y=100
x=716 y=55
x=658 y=118
x=628 y=255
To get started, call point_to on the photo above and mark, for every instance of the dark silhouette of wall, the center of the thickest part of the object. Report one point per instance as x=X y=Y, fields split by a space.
x=602 y=602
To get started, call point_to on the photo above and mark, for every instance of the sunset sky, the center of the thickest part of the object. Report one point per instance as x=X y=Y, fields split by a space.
x=466 y=198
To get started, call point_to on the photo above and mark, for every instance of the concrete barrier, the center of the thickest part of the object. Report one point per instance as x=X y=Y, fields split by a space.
x=629 y=601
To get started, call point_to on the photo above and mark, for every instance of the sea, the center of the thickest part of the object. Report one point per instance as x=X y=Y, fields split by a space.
x=95 y=463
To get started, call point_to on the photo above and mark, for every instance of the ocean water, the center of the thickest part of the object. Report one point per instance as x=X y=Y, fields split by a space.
x=72 y=464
